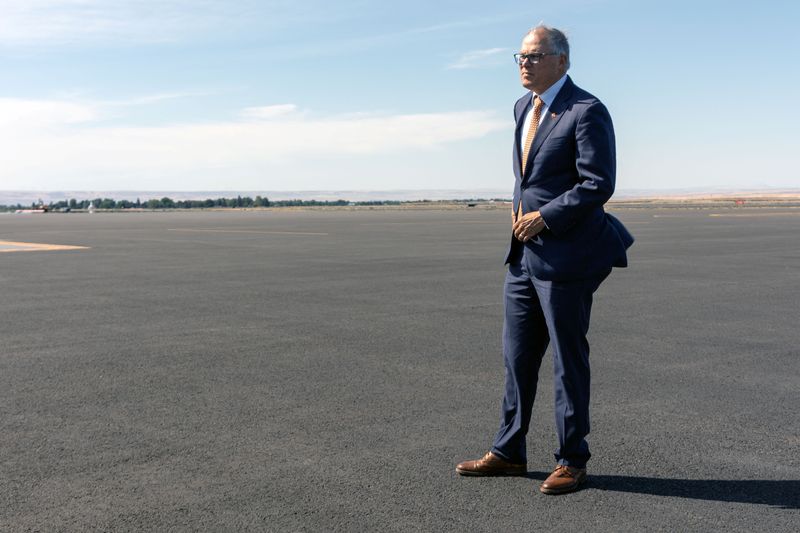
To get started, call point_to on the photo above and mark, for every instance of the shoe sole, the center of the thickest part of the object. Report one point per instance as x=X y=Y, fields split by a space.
x=489 y=474
x=567 y=490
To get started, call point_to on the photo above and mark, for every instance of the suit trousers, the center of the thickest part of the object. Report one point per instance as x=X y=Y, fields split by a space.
x=538 y=312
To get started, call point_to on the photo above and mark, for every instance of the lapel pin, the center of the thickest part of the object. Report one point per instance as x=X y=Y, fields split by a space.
x=552 y=115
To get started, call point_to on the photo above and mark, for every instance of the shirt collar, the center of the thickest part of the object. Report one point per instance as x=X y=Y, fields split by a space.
x=550 y=94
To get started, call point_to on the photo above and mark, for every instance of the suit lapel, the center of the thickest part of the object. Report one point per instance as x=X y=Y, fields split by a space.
x=521 y=111
x=554 y=114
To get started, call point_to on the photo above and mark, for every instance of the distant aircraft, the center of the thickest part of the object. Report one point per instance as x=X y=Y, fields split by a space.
x=41 y=208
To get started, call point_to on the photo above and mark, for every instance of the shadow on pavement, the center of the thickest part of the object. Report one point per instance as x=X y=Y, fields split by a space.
x=779 y=493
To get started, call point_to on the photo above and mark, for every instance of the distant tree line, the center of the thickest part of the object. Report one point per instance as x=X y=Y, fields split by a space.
x=169 y=203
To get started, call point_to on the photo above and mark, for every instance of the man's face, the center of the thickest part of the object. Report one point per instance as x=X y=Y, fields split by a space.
x=539 y=77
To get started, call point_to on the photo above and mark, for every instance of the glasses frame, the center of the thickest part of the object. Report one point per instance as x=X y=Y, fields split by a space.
x=533 y=58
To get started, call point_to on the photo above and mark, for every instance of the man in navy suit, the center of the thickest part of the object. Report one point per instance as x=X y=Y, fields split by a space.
x=563 y=246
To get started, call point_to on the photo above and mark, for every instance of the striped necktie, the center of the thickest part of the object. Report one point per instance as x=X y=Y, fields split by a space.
x=538 y=104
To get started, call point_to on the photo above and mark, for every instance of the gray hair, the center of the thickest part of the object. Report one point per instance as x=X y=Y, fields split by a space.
x=556 y=39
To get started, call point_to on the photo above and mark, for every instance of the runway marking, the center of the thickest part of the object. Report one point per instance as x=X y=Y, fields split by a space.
x=247 y=231
x=13 y=246
x=742 y=215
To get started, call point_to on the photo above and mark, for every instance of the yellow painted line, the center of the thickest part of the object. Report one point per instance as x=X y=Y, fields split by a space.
x=246 y=231
x=795 y=213
x=13 y=246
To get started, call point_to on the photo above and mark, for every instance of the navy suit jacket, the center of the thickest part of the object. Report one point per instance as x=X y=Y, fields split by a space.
x=569 y=175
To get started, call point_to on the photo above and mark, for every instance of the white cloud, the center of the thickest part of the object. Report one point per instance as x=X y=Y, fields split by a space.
x=490 y=57
x=152 y=98
x=62 y=147
x=17 y=116
x=56 y=22
x=268 y=112
x=26 y=22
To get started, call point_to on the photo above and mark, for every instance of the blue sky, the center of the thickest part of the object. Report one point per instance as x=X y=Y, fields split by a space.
x=369 y=95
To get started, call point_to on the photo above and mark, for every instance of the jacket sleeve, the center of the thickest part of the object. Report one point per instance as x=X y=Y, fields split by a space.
x=595 y=162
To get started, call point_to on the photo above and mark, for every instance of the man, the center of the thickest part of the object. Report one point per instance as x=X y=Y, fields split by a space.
x=563 y=246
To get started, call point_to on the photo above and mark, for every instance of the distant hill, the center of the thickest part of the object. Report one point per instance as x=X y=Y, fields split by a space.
x=27 y=197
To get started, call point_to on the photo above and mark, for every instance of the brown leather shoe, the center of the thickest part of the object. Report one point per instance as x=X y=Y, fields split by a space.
x=491 y=465
x=564 y=479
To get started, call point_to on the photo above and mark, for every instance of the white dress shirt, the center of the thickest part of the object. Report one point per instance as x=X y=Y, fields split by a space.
x=547 y=97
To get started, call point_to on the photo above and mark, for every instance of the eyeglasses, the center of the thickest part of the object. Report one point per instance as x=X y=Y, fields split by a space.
x=533 y=58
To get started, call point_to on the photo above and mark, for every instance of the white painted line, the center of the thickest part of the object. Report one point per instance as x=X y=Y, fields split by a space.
x=13 y=246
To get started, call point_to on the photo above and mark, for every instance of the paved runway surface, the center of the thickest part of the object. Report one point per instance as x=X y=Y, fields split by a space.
x=326 y=370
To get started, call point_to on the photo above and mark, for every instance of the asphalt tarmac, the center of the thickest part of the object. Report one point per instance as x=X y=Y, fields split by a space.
x=326 y=370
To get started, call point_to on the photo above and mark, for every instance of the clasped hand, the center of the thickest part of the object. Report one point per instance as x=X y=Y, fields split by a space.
x=527 y=226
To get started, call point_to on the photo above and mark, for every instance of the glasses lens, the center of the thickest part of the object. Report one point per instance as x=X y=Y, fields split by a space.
x=531 y=58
